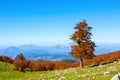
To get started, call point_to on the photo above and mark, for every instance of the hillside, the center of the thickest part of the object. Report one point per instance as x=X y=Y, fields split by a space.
x=102 y=72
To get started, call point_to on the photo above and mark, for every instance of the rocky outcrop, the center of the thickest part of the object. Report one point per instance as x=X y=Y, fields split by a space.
x=116 y=77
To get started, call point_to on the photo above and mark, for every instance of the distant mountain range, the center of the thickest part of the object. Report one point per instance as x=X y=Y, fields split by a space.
x=54 y=53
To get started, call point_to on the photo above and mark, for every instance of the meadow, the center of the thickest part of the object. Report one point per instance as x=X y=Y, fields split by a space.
x=101 y=72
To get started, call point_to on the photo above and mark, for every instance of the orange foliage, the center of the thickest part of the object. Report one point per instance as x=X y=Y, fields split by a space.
x=103 y=58
x=49 y=65
x=21 y=63
x=83 y=47
x=36 y=66
x=6 y=59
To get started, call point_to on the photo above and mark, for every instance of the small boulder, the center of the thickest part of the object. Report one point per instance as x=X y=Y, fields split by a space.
x=116 y=77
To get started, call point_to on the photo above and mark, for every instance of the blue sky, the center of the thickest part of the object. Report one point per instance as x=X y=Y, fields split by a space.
x=50 y=22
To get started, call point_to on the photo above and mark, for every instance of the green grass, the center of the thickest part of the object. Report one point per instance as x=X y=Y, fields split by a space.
x=104 y=72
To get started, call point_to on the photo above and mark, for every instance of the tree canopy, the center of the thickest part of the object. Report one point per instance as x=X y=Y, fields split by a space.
x=83 y=46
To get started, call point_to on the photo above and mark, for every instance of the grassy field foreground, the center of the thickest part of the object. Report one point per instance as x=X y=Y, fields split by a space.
x=102 y=72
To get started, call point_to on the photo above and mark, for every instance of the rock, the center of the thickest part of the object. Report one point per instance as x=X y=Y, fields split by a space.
x=106 y=73
x=116 y=77
x=84 y=75
x=112 y=68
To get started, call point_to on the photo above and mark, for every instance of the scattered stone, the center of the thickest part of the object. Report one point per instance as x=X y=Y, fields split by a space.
x=112 y=69
x=100 y=66
x=106 y=73
x=116 y=77
x=96 y=73
x=84 y=75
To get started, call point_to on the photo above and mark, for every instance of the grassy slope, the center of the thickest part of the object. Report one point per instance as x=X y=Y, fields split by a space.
x=105 y=72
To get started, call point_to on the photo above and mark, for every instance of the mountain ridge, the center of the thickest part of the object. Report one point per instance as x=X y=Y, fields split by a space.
x=57 y=52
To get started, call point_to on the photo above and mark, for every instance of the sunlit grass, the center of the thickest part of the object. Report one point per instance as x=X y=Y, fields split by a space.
x=102 y=72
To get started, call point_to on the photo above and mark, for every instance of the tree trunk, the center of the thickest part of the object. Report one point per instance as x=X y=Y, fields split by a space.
x=81 y=63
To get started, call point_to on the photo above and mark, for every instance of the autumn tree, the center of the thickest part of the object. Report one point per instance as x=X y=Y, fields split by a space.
x=20 y=63
x=82 y=46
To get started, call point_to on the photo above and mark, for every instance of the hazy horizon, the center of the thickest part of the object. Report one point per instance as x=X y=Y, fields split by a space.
x=50 y=45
